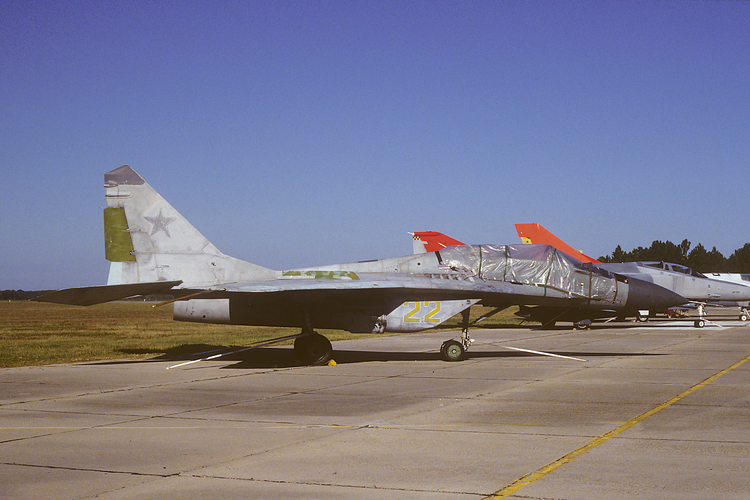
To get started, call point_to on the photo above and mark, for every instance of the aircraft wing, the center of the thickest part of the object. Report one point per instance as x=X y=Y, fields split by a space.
x=90 y=295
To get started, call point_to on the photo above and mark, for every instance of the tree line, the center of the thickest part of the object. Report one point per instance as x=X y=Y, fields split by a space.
x=698 y=258
x=6 y=295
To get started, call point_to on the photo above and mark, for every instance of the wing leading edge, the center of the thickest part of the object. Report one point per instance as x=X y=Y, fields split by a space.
x=91 y=295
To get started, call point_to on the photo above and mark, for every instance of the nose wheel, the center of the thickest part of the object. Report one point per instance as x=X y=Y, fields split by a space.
x=455 y=350
x=452 y=350
x=744 y=315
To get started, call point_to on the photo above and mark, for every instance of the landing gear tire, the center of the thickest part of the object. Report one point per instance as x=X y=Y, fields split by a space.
x=743 y=316
x=582 y=325
x=641 y=318
x=699 y=323
x=313 y=349
x=452 y=350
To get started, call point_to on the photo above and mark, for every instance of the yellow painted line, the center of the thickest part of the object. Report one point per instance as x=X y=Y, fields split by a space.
x=552 y=466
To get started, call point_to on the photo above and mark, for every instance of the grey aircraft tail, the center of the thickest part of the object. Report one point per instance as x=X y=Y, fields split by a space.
x=152 y=249
x=147 y=240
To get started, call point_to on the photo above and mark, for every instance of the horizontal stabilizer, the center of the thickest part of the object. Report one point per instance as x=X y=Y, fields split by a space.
x=90 y=295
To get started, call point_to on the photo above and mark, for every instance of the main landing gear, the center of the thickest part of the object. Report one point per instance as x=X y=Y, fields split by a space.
x=701 y=321
x=584 y=324
x=313 y=349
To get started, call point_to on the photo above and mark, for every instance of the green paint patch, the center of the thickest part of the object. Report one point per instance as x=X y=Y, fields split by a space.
x=322 y=275
x=118 y=246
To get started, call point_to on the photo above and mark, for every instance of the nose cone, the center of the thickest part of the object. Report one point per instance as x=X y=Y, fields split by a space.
x=645 y=295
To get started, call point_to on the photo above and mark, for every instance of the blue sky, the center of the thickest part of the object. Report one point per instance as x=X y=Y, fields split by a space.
x=303 y=133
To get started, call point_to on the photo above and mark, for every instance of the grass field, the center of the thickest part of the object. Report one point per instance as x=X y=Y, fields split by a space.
x=35 y=333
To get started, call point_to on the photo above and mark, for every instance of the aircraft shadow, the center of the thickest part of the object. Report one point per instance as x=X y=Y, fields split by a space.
x=276 y=357
x=264 y=359
x=285 y=358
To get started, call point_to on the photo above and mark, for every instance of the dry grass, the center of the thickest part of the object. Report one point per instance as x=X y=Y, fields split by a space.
x=34 y=333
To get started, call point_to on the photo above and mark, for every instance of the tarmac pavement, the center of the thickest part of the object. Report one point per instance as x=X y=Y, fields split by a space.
x=654 y=411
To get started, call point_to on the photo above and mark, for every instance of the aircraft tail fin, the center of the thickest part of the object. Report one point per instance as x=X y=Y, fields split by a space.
x=431 y=241
x=147 y=240
x=537 y=234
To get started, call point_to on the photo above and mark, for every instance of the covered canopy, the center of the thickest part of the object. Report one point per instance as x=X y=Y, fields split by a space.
x=541 y=265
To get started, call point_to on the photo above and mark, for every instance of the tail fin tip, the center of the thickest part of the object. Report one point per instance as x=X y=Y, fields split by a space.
x=123 y=176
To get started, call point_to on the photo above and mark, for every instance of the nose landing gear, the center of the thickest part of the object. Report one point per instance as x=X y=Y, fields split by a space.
x=454 y=350
x=744 y=315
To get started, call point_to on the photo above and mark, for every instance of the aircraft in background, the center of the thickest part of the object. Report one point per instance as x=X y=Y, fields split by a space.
x=696 y=287
x=155 y=250
x=717 y=289
x=740 y=279
x=536 y=233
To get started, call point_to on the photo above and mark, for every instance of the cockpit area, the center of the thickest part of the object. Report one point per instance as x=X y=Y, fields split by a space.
x=677 y=268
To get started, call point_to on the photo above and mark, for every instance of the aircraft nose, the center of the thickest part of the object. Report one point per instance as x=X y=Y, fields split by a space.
x=645 y=295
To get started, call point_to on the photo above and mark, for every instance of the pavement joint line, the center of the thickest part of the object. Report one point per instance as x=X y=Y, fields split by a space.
x=233 y=427
x=334 y=485
x=84 y=469
x=531 y=477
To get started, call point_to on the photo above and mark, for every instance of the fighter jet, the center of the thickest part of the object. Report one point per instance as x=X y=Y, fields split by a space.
x=153 y=249
x=696 y=287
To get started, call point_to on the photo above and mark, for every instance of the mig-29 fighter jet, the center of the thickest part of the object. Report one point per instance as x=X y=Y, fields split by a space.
x=155 y=250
